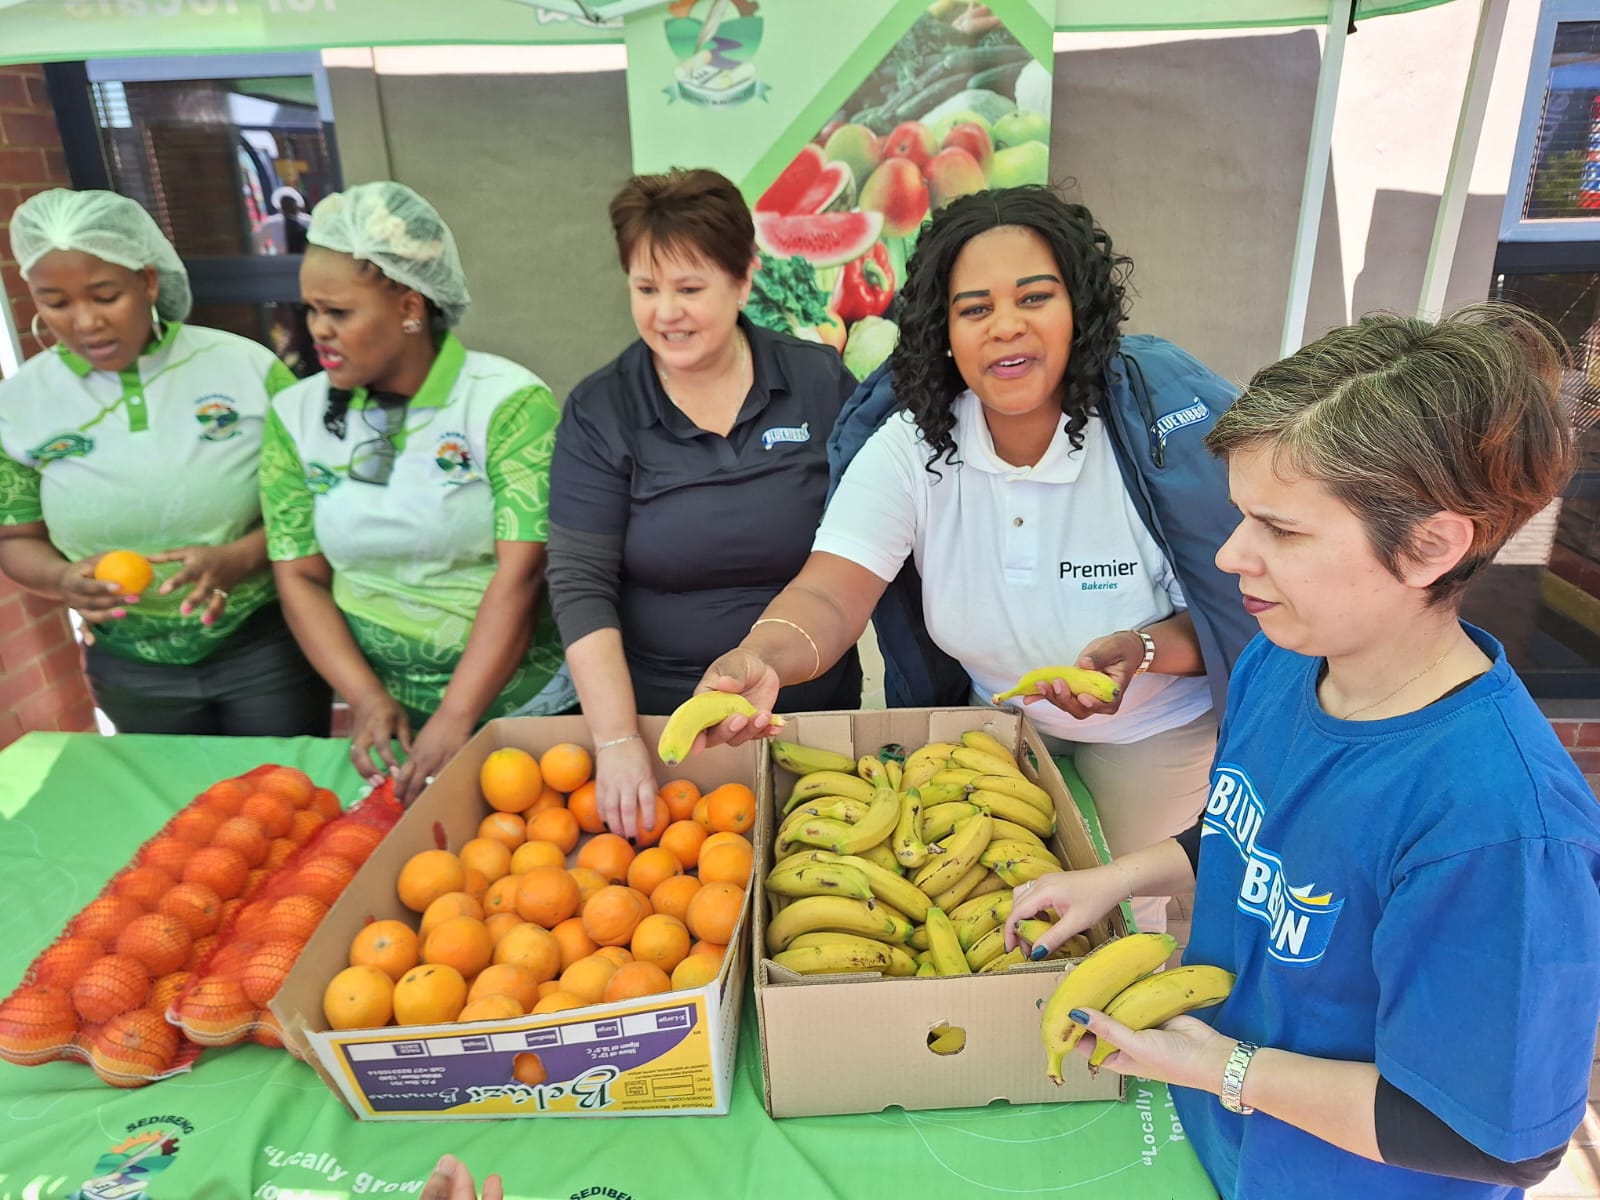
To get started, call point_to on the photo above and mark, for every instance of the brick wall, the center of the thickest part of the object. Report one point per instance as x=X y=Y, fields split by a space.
x=41 y=666
x=1582 y=740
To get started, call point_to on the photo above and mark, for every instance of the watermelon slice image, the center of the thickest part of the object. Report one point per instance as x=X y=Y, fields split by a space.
x=824 y=239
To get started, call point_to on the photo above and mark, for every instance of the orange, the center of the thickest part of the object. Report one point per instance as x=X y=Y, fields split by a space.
x=731 y=808
x=574 y=942
x=352 y=841
x=293 y=919
x=537 y=854
x=584 y=803
x=507 y=979
x=684 y=839
x=475 y=883
x=429 y=994
x=681 y=796
x=645 y=907
x=304 y=826
x=133 y=1047
x=697 y=970
x=488 y=855
x=649 y=867
x=215 y=1011
x=391 y=946
x=531 y=947
x=264 y=971
x=226 y=795
x=501 y=896
x=145 y=884
x=505 y=828
x=510 y=779
x=701 y=815
x=293 y=785
x=254 y=880
x=528 y=1068
x=549 y=798
x=663 y=818
x=278 y=852
x=617 y=954
x=195 y=825
x=608 y=854
x=459 y=942
x=427 y=876
x=587 y=978
x=672 y=895
x=492 y=1007
x=635 y=980
x=661 y=940
x=554 y=825
x=547 y=896
x=325 y=801
x=249 y=919
x=360 y=997
x=502 y=923
x=35 y=1023
x=559 y=1001
x=106 y=916
x=589 y=882
x=612 y=914
x=274 y=814
x=128 y=569
x=197 y=906
x=566 y=767
x=246 y=836
x=109 y=986
x=726 y=858
x=160 y=943
x=549 y=986
x=451 y=904
x=717 y=950
x=166 y=853
x=324 y=878
x=222 y=870
x=714 y=912
x=165 y=990
x=61 y=965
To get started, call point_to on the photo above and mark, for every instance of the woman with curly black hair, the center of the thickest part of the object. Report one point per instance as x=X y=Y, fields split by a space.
x=1006 y=479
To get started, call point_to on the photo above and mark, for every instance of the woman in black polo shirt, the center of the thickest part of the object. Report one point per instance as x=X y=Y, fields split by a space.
x=688 y=479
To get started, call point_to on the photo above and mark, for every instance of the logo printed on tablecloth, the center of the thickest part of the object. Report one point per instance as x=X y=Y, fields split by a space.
x=128 y=1167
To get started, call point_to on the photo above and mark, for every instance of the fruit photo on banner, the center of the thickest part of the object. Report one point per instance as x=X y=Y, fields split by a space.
x=845 y=123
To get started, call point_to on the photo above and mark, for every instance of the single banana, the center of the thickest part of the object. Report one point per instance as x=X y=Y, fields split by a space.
x=801 y=878
x=987 y=948
x=961 y=850
x=1012 y=832
x=1005 y=851
x=982 y=739
x=934 y=752
x=1079 y=682
x=961 y=777
x=940 y=793
x=1093 y=983
x=923 y=771
x=906 y=841
x=894 y=890
x=1004 y=962
x=991 y=883
x=947 y=1039
x=958 y=891
x=919 y=938
x=900 y=962
x=840 y=914
x=1156 y=999
x=1032 y=929
x=694 y=716
x=939 y=819
x=836 y=958
x=896 y=773
x=1075 y=946
x=943 y=949
x=925 y=969
x=835 y=808
x=1022 y=789
x=872 y=769
x=1018 y=812
x=974 y=918
x=828 y=783
x=966 y=758
x=876 y=825
x=1017 y=872
x=883 y=857
x=802 y=760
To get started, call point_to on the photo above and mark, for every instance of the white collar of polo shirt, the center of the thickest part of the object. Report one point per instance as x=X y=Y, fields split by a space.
x=1059 y=464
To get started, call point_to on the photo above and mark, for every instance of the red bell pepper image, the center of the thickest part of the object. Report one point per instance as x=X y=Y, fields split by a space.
x=865 y=286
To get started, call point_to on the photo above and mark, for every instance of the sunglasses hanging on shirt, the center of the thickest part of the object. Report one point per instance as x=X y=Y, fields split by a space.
x=372 y=460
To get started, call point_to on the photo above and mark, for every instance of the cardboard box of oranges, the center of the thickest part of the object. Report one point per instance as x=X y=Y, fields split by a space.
x=501 y=955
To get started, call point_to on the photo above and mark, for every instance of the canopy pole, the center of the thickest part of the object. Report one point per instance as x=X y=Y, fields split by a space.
x=10 y=343
x=1340 y=14
x=1458 y=181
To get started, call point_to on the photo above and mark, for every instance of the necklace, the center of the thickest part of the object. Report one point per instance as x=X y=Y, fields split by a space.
x=1401 y=688
x=740 y=354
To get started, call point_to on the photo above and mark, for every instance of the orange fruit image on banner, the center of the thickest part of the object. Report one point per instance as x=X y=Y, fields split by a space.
x=128 y=569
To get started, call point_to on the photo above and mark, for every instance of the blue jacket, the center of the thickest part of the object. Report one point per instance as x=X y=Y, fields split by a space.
x=1162 y=403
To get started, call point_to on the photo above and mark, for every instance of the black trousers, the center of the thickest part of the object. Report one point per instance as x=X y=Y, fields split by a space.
x=257 y=684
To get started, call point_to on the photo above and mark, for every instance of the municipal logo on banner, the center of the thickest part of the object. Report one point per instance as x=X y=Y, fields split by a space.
x=454 y=457
x=218 y=417
x=63 y=445
x=714 y=48
x=1301 y=917
x=134 y=1162
x=779 y=434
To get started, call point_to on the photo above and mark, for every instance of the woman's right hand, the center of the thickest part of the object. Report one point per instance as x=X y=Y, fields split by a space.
x=1079 y=898
x=625 y=787
x=741 y=671
x=95 y=600
x=377 y=721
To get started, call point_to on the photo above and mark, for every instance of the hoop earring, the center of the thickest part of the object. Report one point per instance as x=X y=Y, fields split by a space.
x=411 y=325
x=33 y=328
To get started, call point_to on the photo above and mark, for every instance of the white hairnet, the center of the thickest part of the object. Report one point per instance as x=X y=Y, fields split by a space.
x=113 y=228
x=390 y=226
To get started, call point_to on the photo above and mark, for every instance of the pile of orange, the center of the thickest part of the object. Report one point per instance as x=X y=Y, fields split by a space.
x=545 y=911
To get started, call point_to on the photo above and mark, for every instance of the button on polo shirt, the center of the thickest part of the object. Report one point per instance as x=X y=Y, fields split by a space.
x=1022 y=566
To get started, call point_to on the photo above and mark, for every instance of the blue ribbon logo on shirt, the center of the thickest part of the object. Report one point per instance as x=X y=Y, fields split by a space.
x=1301 y=918
x=786 y=433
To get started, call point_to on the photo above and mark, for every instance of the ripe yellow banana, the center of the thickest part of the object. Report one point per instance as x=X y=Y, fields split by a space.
x=961 y=777
x=934 y=752
x=919 y=938
x=991 y=883
x=1004 y=962
x=803 y=760
x=1075 y=946
x=1155 y=1000
x=943 y=949
x=986 y=949
x=871 y=768
x=947 y=1039
x=938 y=820
x=694 y=716
x=961 y=850
x=940 y=793
x=896 y=773
x=1079 y=682
x=1032 y=929
x=835 y=808
x=958 y=891
x=883 y=857
x=925 y=969
x=982 y=739
x=976 y=917
x=1022 y=789
x=1010 y=831
x=852 y=949
x=894 y=890
x=828 y=783
x=906 y=841
x=1093 y=983
x=840 y=914
x=966 y=758
x=796 y=877
x=1018 y=812
x=1005 y=851
x=841 y=838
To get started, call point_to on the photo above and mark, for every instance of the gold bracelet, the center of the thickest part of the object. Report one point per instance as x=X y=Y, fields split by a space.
x=816 y=654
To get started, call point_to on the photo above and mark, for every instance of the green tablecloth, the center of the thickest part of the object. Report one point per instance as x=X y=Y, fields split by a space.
x=253 y=1122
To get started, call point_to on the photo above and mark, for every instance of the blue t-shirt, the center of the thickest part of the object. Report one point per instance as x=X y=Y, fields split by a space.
x=1421 y=892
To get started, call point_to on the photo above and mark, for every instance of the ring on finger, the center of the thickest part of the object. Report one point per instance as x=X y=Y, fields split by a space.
x=219 y=594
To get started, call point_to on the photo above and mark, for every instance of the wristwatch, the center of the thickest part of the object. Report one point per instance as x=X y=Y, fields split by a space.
x=1233 y=1078
x=1149 y=651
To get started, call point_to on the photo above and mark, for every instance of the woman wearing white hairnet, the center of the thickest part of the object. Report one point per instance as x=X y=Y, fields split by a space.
x=405 y=492
x=138 y=432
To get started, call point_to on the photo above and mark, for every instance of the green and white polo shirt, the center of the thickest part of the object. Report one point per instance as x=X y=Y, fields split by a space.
x=158 y=456
x=412 y=559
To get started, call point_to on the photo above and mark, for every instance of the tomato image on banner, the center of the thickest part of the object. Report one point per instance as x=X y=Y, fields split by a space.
x=125 y=1170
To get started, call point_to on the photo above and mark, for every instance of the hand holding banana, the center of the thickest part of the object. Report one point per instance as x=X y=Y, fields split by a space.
x=1093 y=687
x=723 y=713
x=1077 y=900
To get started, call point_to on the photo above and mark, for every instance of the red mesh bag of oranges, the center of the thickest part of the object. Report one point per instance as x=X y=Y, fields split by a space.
x=224 y=998
x=100 y=991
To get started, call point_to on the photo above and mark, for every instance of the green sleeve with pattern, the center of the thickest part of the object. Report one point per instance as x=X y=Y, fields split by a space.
x=287 y=506
x=278 y=377
x=19 y=491
x=522 y=437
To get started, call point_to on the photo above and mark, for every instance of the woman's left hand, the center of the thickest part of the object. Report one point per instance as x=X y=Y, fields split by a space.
x=1118 y=655
x=214 y=570
x=1185 y=1051
x=440 y=738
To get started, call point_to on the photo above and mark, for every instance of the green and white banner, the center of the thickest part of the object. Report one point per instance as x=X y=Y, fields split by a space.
x=846 y=123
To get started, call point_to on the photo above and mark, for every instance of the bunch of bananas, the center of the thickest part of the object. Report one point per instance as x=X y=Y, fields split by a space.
x=906 y=867
x=1119 y=979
